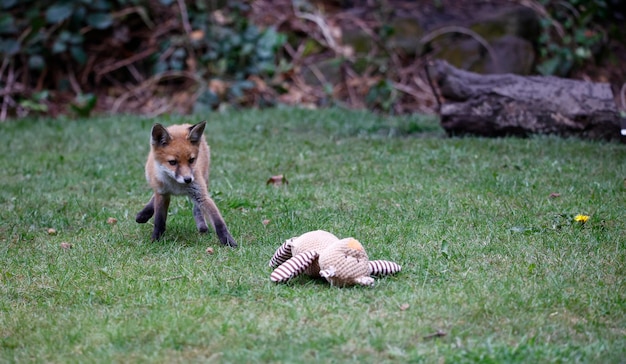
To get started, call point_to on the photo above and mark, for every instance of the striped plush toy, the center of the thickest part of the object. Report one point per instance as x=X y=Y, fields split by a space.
x=342 y=262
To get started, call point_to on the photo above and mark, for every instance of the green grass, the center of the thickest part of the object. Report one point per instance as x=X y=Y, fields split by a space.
x=488 y=256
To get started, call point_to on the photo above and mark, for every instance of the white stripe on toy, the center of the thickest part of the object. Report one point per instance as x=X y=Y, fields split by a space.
x=293 y=267
x=282 y=254
x=383 y=267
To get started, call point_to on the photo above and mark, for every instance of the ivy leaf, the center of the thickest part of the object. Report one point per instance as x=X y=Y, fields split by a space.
x=65 y=36
x=549 y=67
x=7 y=24
x=33 y=106
x=59 y=46
x=99 y=20
x=9 y=47
x=98 y=4
x=270 y=39
x=36 y=62
x=78 y=54
x=59 y=12
x=84 y=104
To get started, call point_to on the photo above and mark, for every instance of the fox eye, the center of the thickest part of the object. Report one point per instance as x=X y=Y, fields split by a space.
x=191 y=160
x=172 y=162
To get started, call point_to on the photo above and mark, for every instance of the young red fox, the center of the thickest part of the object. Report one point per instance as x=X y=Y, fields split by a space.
x=178 y=164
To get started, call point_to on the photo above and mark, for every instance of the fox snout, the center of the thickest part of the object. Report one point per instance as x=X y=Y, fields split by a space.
x=184 y=178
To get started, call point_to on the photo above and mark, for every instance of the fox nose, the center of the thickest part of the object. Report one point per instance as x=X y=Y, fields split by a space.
x=188 y=180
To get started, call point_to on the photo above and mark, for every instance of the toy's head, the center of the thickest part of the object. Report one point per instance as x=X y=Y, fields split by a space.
x=345 y=263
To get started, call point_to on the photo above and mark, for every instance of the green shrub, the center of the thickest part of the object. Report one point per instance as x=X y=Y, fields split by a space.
x=60 y=47
x=571 y=35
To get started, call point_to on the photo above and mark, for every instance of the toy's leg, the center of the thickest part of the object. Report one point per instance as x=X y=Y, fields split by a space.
x=383 y=267
x=283 y=253
x=292 y=267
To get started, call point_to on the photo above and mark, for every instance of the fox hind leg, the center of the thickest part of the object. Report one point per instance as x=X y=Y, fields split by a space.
x=161 y=204
x=146 y=213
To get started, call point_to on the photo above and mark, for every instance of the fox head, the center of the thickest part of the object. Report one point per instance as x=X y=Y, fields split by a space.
x=175 y=150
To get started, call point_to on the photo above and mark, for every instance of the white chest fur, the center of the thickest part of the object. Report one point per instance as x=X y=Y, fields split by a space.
x=168 y=183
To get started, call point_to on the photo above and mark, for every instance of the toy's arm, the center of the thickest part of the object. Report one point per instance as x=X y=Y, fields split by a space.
x=283 y=253
x=383 y=267
x=292 y=267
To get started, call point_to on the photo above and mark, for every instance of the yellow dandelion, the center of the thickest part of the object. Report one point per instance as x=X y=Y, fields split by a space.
x=581 y=218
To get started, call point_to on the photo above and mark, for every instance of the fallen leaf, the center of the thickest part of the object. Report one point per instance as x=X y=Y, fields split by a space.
x=65 y=245
x=220 y=18
x=52 y=231
x=277 y=180
x=111 y=221
x=209 y=250
x=218 y=87
x=259 y=83
x=404 y=307
x=196 y=35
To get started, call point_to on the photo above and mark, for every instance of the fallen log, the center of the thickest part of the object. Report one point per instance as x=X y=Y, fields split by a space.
x=512 y=105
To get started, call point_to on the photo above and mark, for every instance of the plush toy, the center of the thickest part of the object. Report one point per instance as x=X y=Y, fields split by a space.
x=342 y=262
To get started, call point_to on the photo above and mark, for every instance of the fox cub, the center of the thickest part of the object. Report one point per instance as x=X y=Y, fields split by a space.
x=178 y=164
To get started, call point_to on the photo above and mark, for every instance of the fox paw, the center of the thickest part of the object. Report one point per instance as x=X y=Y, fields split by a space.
x=142 y=217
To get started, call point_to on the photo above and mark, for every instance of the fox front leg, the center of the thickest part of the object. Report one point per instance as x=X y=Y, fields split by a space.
x=200 y=197
x=209 y=208
x=199 y=218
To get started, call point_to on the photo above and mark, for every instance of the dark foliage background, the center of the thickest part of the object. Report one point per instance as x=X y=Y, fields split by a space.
x=161 y=56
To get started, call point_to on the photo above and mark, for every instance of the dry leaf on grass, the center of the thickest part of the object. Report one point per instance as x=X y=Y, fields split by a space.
x=277 y=180
x=196 y=35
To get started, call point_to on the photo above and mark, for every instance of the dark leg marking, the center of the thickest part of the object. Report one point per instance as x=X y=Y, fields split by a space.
x=199 y=218
x=146 y=213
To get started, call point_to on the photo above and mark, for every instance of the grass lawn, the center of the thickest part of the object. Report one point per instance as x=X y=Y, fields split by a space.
x=483 y=228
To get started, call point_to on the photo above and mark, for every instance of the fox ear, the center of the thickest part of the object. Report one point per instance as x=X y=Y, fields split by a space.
x=160 y=136
x=195 y=132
